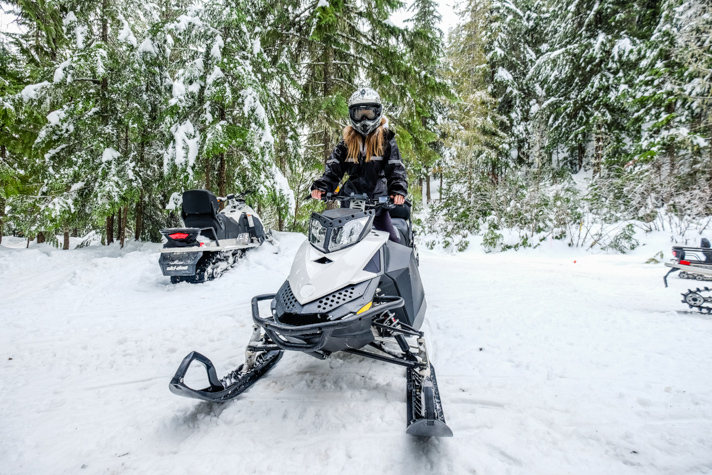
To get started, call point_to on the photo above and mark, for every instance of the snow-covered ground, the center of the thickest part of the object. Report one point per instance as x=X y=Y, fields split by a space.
x=545 y=365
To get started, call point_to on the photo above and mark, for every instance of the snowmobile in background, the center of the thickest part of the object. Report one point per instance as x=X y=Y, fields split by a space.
x=212 y=240
x=350 y=289
x=694 y=263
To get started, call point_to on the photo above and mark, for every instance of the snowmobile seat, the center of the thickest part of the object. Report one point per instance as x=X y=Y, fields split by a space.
x=401 y=226
x=200 y=210
x=400 y=211
x=400 y=216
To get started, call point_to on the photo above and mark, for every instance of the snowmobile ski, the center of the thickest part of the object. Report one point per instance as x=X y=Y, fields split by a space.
x=222 y=390
x=424 y=409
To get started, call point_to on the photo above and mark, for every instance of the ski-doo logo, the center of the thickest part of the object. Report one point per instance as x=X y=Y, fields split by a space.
x=177 y=268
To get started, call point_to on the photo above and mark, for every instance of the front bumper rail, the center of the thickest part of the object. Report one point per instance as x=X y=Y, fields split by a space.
x=323 y=331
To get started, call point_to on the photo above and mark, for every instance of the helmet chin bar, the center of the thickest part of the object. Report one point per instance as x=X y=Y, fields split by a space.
x=365 y=127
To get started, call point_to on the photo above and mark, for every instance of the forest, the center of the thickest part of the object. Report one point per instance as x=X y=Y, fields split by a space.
x=582 y=121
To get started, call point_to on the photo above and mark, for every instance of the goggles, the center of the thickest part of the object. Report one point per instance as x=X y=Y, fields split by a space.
x=365 y=112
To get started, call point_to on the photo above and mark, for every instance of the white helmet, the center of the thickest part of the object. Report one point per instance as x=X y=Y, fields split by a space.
x=365 y=110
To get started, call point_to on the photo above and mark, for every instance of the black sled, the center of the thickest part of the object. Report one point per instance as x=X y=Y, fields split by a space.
x=212 y=241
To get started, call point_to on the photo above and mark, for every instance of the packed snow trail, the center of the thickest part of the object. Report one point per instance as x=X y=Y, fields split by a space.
x=545 y=366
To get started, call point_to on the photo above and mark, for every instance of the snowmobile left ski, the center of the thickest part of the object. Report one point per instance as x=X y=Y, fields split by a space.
x=350 y=289
x=212 y=241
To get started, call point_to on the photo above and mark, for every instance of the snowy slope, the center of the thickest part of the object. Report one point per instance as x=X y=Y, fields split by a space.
x=545 y=367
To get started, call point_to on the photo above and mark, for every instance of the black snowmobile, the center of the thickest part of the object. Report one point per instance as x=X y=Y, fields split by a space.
x=350 y=289
x=693 y=263
x=212 y=240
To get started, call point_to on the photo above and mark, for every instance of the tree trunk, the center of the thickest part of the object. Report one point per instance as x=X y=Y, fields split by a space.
x=222 y=179
x=441 y=184
x=139 y=218
x=66 y=240
x=105 y=79
x=427 y=184
x=208 y=171
x=124 y=219
x=118 y=225
x=2 y=216
x=598 y=154
x=109 y=229
x=328 y=59
x=581 y=151
x=40 y=237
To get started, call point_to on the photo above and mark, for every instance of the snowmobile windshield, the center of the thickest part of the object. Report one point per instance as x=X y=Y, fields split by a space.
x=364 y=112
x=340 y=229
x=347 y=234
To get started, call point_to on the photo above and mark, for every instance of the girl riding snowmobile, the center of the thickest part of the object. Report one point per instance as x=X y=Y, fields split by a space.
x=368 y=153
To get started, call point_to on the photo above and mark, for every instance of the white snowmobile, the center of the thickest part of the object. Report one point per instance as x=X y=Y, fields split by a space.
x=693 y=263
x=350 y=289
x=212 y=240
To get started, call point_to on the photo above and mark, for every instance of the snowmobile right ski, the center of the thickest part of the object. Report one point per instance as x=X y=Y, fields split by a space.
x=260 y=357
x=425 y=411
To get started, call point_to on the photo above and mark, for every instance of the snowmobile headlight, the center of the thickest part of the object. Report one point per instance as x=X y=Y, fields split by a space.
x=347 y=234
x=317 y=234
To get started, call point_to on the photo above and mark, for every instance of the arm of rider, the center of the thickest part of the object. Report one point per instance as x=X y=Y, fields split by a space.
x=398 y=199
x=316 y=194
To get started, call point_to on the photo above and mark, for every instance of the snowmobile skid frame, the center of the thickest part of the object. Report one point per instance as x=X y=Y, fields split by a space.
x=270 y=338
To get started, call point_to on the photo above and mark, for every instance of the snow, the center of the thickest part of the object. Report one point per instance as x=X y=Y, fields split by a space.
x=147 y=47
x=184 y=22
x=81 y=32
x=503 y=75
x=126 y=35
x=32 y=91
x=109 y=154
x=186 y=144
x=549 y=362
x=55 y=117
x=59 y=72
x=322 y=3
x=215 y=51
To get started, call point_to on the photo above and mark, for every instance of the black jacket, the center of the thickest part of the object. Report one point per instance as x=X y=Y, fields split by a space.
x=381 y=176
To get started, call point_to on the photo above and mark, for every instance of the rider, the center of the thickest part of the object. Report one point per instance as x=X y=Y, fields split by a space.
x=369 y=154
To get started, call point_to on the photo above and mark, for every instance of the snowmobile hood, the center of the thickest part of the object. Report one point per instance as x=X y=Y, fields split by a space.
x=315 y=274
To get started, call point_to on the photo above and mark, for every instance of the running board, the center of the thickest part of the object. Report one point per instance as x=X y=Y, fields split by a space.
x=691 y=269
x=178 y=250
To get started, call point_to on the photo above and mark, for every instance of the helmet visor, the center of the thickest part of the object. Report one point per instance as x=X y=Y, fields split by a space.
x=365 y=112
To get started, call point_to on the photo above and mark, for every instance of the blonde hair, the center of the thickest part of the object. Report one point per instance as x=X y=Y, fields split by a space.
x=375 y=142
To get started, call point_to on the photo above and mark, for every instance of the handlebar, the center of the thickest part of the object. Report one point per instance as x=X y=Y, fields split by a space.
x=231 y=196
x=384 y=202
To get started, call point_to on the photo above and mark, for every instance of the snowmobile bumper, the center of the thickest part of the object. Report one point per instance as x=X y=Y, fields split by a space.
x=314 y=337
x=181 y=263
